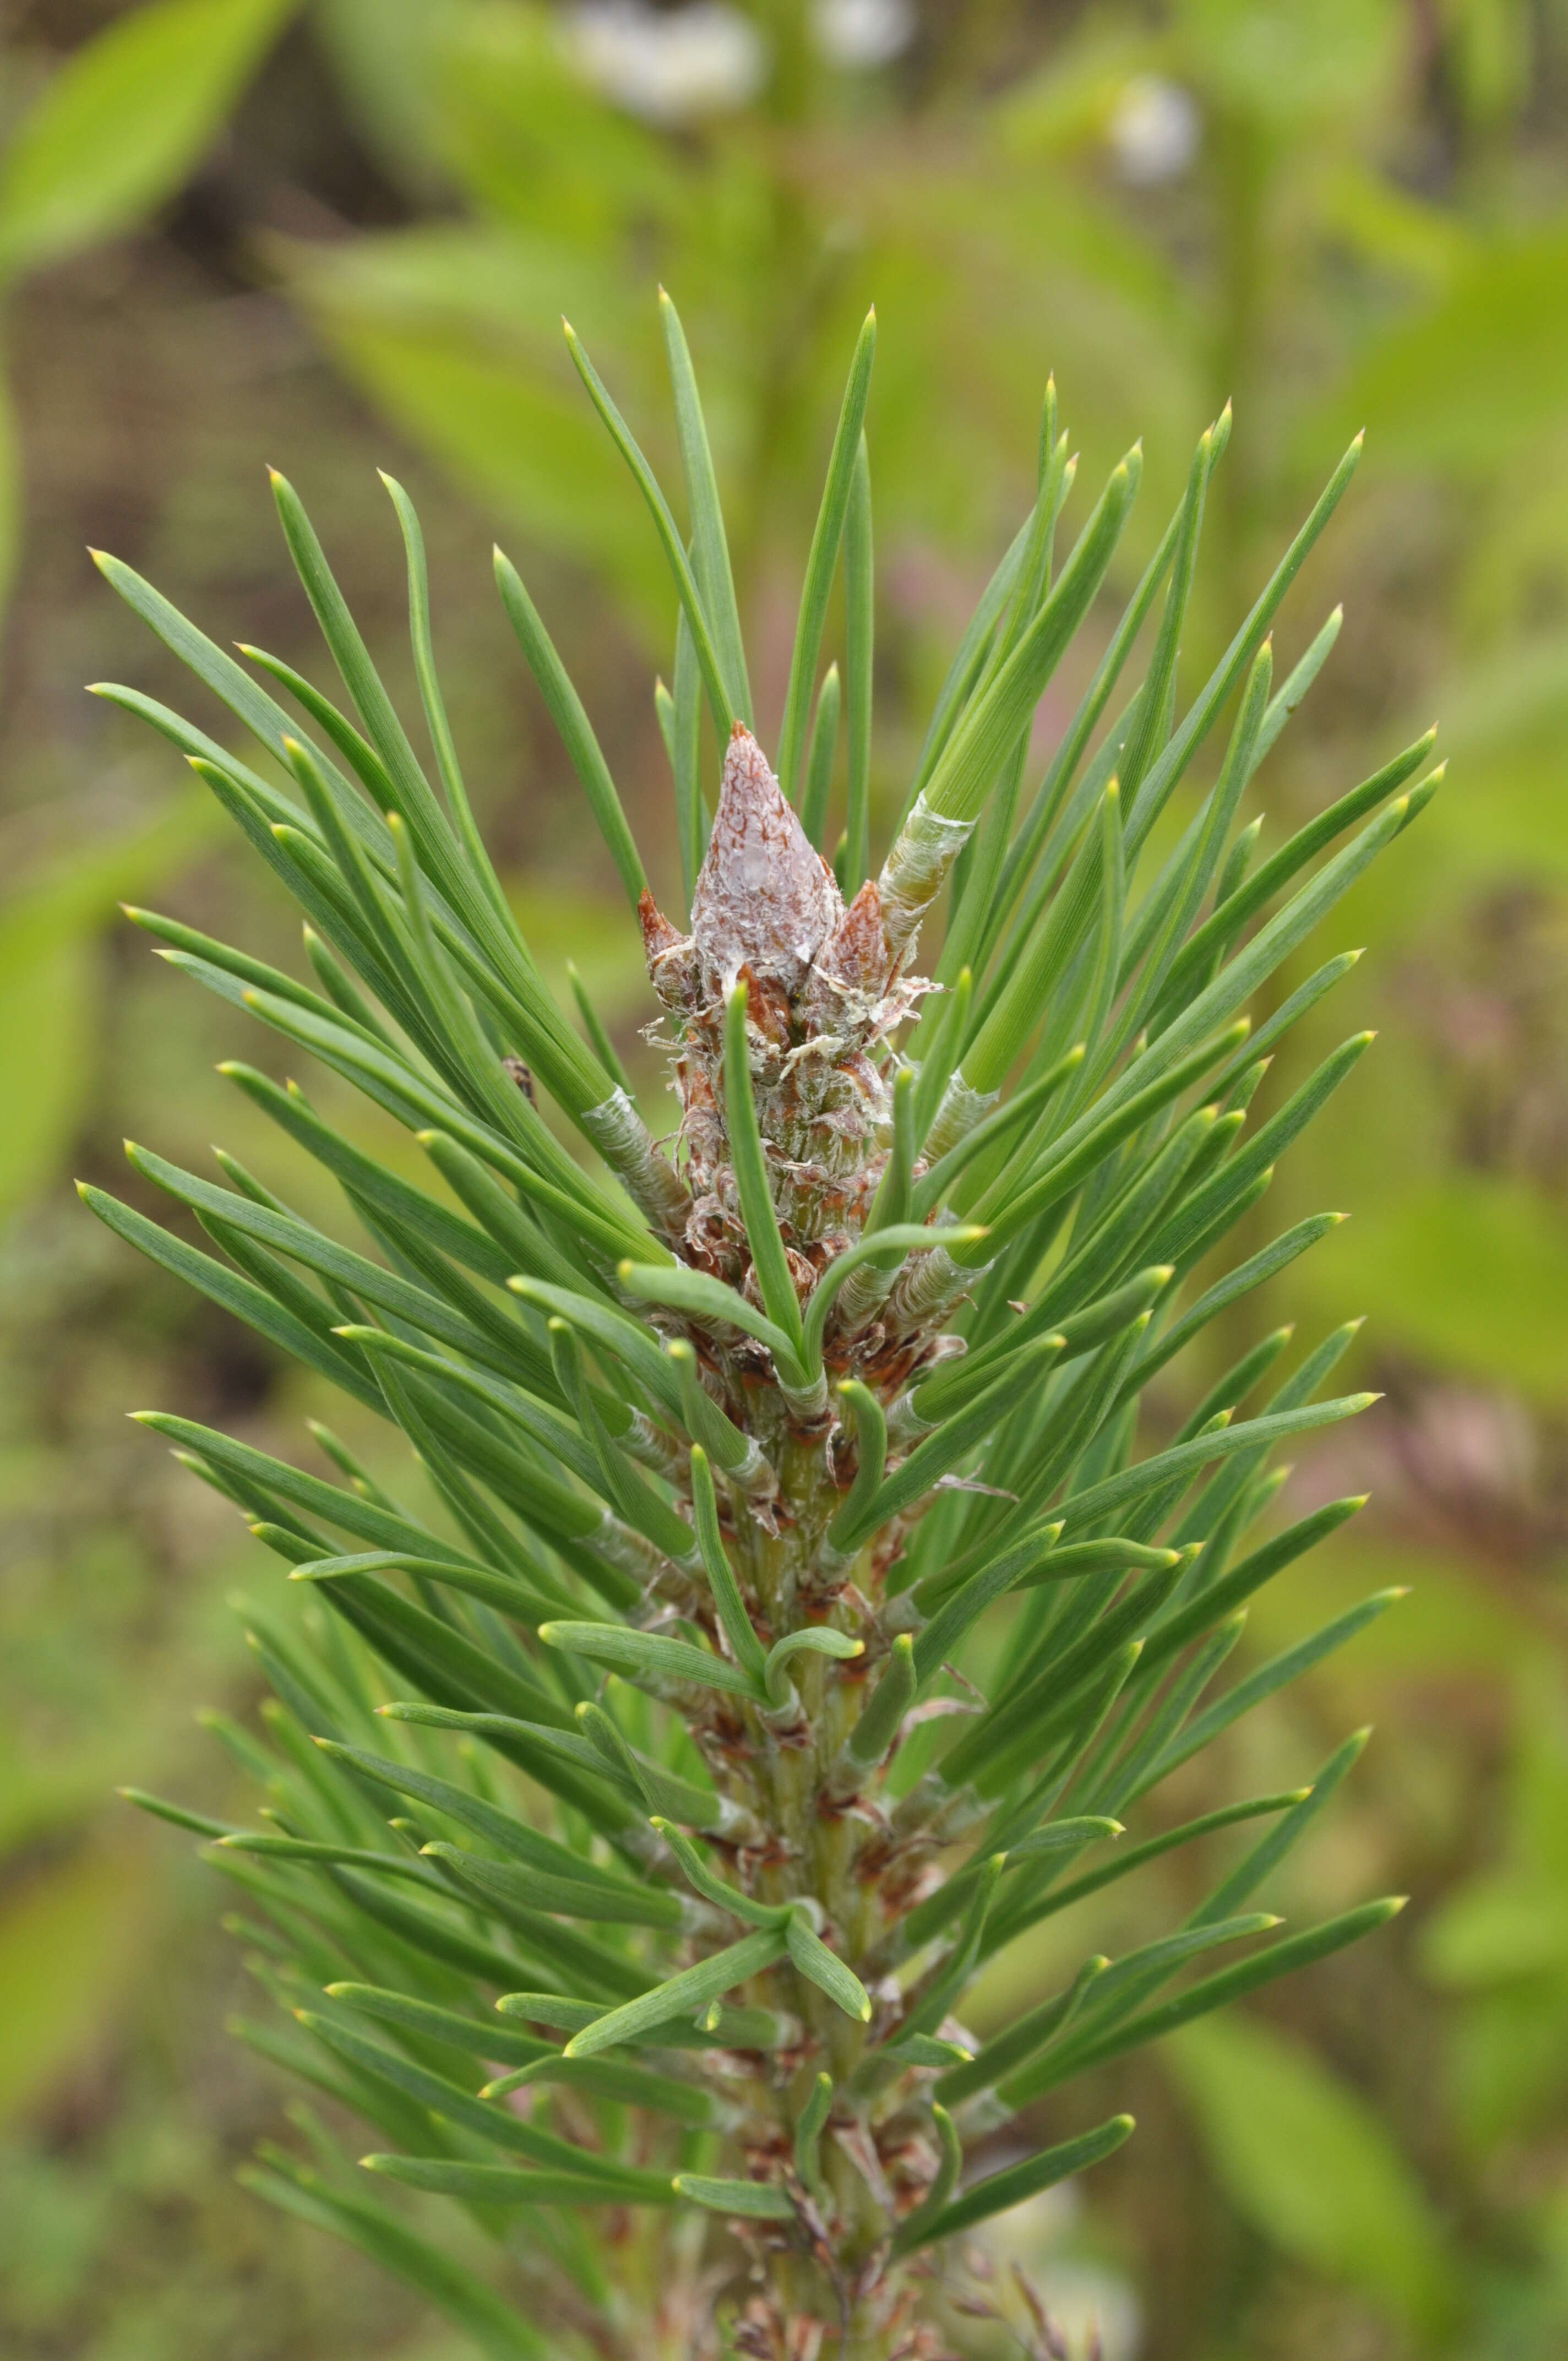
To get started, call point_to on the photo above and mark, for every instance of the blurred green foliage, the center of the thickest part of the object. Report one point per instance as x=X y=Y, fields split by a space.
x=1338 y=213
x=1307 y=2163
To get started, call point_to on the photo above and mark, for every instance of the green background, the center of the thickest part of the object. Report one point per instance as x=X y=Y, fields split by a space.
x=341 y=235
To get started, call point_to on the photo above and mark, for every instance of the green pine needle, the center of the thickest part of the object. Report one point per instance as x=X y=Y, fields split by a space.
x=786 y=1545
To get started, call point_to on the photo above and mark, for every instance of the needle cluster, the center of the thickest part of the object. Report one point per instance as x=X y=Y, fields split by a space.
x=785 y=1610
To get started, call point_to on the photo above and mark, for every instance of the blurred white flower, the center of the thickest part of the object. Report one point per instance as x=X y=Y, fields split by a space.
x=1154 y=131
x=857 y=35
x=669 y=66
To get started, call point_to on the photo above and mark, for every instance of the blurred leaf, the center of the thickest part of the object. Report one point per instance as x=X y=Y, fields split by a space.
x=532 y=142
x=1507 y=313
x=381 y=53
x=47 y=1061
x=1074 y=98
x=1280 y=59
x=1501 y=1943
x=66 y=1938
x=456 y=333
x=1387 y=224
x=1506 y=821
x=1508 y=2065
x=11 y=494
x=1448 y=1628
x=1514 y=585
x=1510 y=1925
x=48 y=1051
x=1501 y=1929
x=1540 y=1828
x=124 y=121
x=1306 y=2161
x=1490 y=52
x=1469 y=1271
x=120 y=865
x=1517 y=697
x=508 y=286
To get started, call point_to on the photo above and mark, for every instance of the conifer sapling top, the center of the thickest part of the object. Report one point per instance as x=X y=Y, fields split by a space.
x=781 y=1608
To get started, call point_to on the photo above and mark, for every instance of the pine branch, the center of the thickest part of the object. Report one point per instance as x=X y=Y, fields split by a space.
x=735 y=1451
